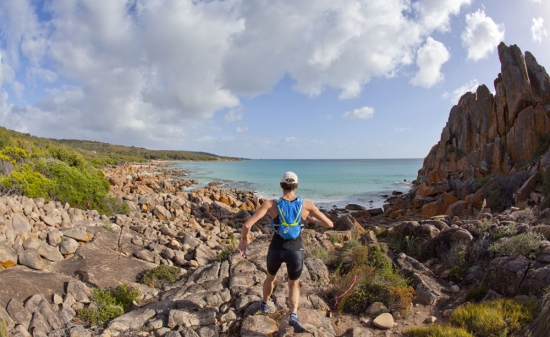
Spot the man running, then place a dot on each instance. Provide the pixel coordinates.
(286, 244)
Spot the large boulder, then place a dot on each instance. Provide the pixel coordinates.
(505, 274)
(433, 208)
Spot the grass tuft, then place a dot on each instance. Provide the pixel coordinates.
(437, 331)
(320, 253)
(497, 318)
(223, 255)
(161, 275)
(3, 329)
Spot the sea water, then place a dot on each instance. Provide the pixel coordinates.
(328, 183)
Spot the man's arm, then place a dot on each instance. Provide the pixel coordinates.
(315, 213)
(260, 213)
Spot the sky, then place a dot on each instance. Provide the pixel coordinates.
(260, 79)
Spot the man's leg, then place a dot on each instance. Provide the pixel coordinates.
(294, 295)
(268, 286)
(294, 299)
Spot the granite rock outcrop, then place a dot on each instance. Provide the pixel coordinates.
(491, 144)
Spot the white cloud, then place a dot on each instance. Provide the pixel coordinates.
(435, 14)
(337, 44)
(537, 30)
(481, 35)
(242, 129)
(159, 70)
(455, 95)
(400, 129)
(431, 56)
(7, 74)
(233, 116)
(290, 139)
(362, 113)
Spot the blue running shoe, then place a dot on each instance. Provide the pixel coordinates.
(294, 322)
(264, 308)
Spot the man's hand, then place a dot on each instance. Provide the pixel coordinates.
(311, 220)
(242, 248)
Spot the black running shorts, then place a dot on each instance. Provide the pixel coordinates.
(294, 260)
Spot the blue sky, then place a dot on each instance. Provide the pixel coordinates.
(255, 78)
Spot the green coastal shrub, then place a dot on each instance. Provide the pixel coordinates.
(525, 244)
(378, 258)
(27, 182)
(161, 275)
(437, 331)
(373, 285)
(353, 255)
(66, 155)
(16, 154)
(376, 279)
(526, 215)
(77, 186)
(108, 304)
(319, 252)
(498, 318)
(125, 296)
(5, 138)
(504, 231)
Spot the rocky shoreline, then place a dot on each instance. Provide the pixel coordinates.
(51, 255)
(474, 219)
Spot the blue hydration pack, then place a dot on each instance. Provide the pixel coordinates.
(290, 218)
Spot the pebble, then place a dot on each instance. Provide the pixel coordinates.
(383, 321)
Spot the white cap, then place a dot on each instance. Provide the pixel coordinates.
(289, 178)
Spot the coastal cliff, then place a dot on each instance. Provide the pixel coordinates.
(490, 135)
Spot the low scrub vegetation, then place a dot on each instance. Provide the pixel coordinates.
(108, 304)
(504, 231)
(69, 170)
(161, 275)
(320, 253)
(499, 318)
(525, 244)
(40, 168)
(369, 274)
(502, 317)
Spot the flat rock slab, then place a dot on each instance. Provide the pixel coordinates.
(21, 283)
(102, 268)
(258, 325)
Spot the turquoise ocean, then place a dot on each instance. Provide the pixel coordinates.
(328, 183)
